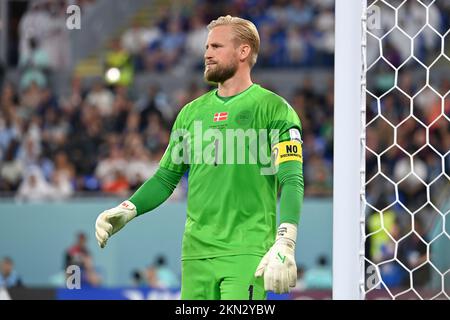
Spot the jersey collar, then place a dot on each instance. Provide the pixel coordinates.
(227, 100)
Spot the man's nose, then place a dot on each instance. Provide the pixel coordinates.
(207, 54)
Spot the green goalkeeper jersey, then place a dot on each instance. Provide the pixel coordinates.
(226, 144)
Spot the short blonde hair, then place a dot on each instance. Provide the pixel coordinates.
(244, 30)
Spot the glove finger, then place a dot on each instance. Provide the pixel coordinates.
(101, 236)
(259, 272)
(262, 266)
(97, 236)
(277, 282)
(292, 276)
(268, 279)
(107, 227)
(284, 282)
(99, 241)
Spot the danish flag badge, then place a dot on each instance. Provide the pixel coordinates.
(220, 116)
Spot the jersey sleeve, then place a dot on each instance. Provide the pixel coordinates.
(286, 142)
(177, 154)
(285, 133)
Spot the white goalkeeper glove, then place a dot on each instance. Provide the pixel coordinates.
(112, 220)
(278, 264)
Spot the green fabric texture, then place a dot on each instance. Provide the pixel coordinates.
(290, 176)
(222, 278)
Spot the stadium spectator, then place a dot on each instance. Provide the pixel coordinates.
(412, 252)
(137, 280)
(140, 166)
(11, 170)
(90, 276)
(380, 243)
(319, 276)
(35, 65)
(45, 21)
(153, 101)
(101, 99)
(151, 277)
(75, 254)
(62, 177)
(137, 37)
(195, 41)
(33, 24)
(34, 187)
(8, 275)
(159, 275)
(120, 60)
(392, 273)
(79, 255)
(117, 184)
(318, 176)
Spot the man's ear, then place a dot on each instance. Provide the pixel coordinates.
(244, 51)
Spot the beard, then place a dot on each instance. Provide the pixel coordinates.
(219, 74)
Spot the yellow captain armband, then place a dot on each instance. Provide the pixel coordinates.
(287, 151)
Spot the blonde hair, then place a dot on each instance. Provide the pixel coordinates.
(244, 31)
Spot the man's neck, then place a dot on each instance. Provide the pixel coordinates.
(235, 85)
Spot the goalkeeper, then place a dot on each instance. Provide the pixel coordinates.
(232, 248)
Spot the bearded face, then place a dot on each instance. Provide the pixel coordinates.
(219, 72)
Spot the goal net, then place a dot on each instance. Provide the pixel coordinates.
(406, 149)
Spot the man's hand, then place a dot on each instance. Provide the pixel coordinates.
(278, 265)
(112, 220)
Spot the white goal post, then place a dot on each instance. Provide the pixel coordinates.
(348, 259)
(391, 152)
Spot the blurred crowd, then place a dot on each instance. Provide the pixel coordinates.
(297, 33)
(398, 134)
(92, 140)
(293, 33)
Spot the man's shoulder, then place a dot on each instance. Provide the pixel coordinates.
(192, 106)
(199, 101)
(280, 113)
(270, 98)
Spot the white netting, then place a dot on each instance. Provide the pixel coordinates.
(407, 143)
